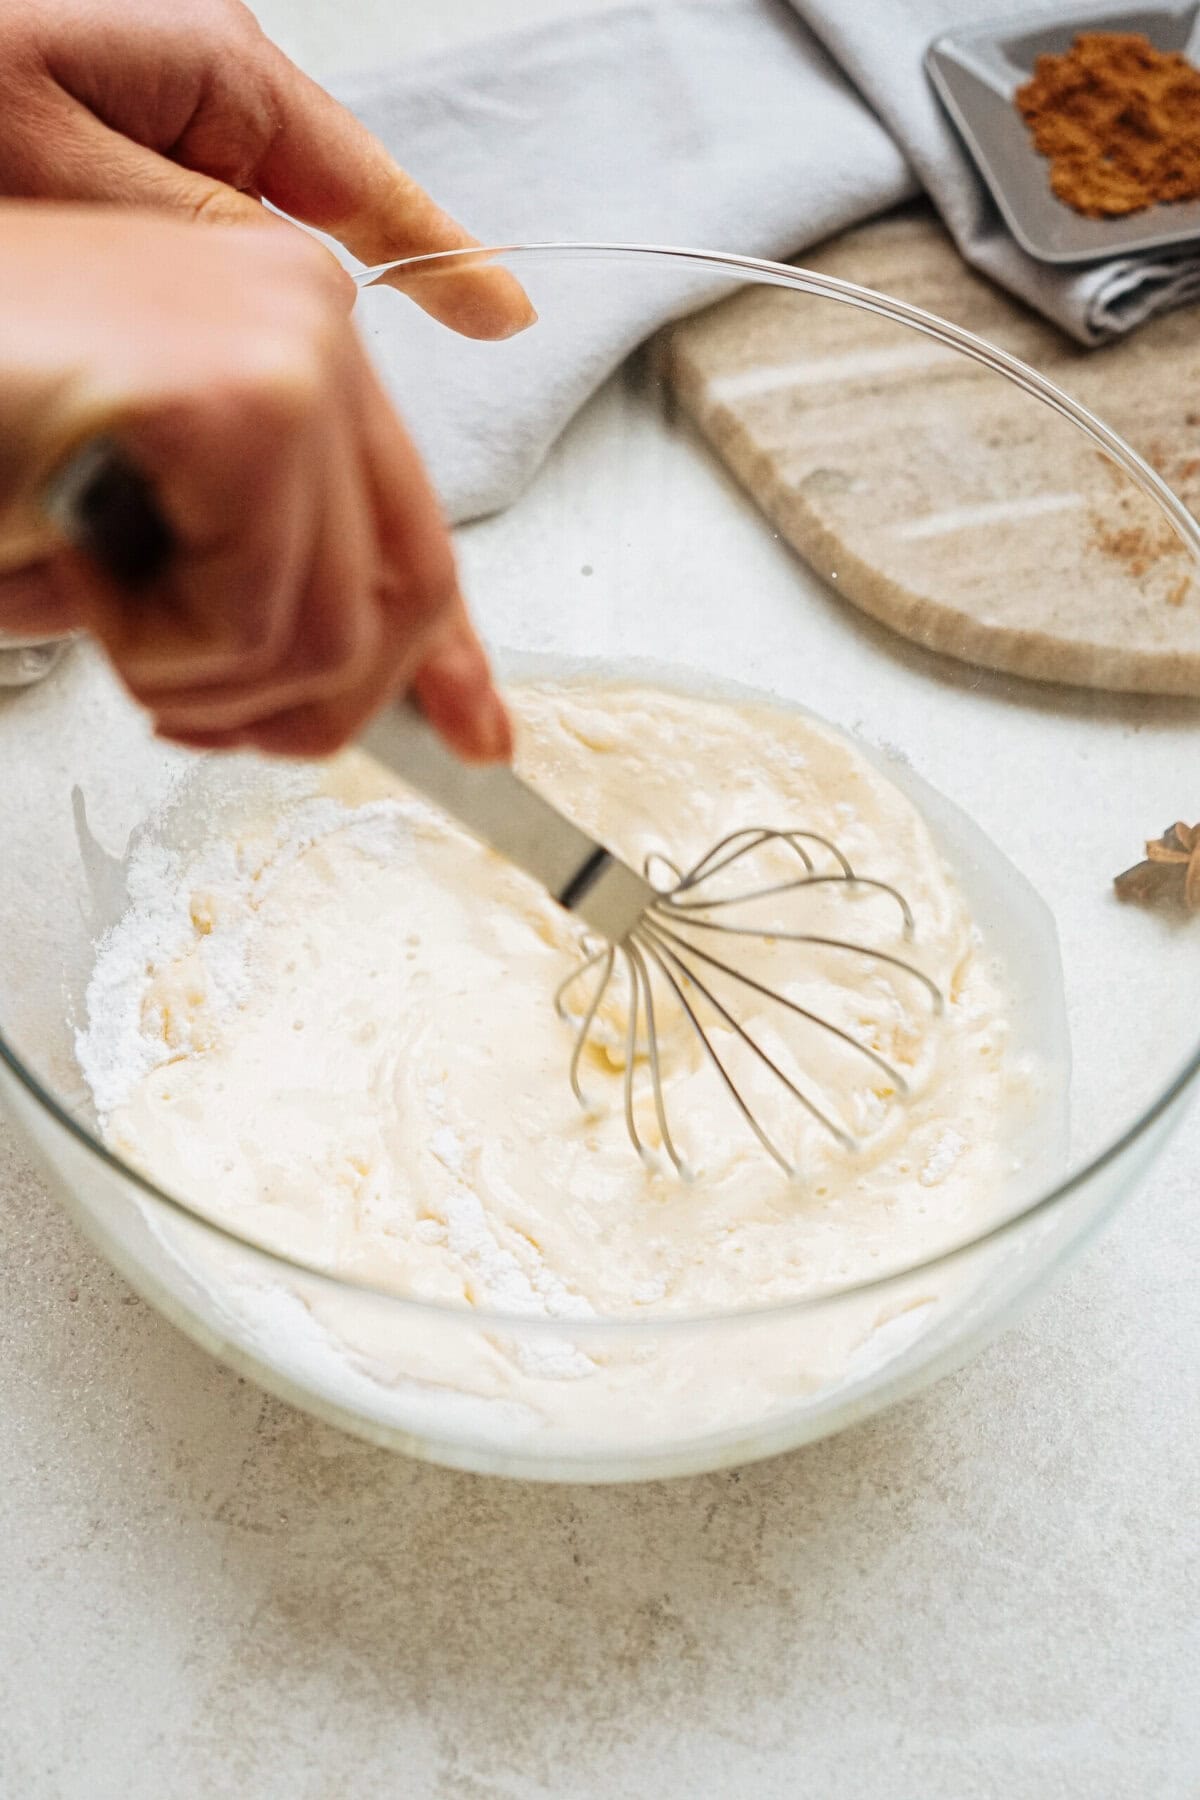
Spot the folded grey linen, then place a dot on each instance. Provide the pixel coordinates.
(881, 46)
(720, 124)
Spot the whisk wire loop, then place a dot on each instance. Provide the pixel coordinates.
(662, 941)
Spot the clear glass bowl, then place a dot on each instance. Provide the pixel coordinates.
(921, 462)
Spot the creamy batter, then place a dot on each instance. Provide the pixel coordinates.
(344, 1043)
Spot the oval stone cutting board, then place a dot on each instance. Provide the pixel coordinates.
(940, 498)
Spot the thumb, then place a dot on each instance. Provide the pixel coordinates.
(108, 167)
(323, 166)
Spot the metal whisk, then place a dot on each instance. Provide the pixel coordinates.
(641, 926)
(663, 938)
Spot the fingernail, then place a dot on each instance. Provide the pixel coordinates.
(491, 303)
(482, 316)
(519, 325)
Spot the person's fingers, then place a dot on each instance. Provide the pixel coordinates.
(371, 206)
(206, 118)
(463, 700)
(324, 167)
(419, 577)
(77, 157)
(422, 624)
(415, 588)
(312, 575)
(418, 574)
(39, 601)
(234, 472)
(319, 729)
(204, 740)
(455, 691)
(337, 631)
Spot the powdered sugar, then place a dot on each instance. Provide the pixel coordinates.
(174, 903)
(942, 1158)
(529, 1287)
(208, 907)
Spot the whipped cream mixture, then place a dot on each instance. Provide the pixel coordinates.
(335, 1034)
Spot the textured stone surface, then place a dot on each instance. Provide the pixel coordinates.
(939, 497)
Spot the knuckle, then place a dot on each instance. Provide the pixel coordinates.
(275, 383)
(222, 28)
(234, 17)
(247, 625)
(314, 258)
(309, 275)
(340, 664)
(219, 206)
(279, 367)
(428, 588)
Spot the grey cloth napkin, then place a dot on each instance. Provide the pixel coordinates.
(720, 124)
(723, 124)
(881, 46)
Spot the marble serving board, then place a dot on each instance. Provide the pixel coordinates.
(935, 494)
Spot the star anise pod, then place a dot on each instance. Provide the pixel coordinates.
(1171, 871)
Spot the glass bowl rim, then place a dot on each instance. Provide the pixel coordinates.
(751, 271)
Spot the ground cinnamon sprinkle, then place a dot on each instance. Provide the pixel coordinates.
(1131, 530)
(1119, 121)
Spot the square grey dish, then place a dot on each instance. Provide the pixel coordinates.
(976, 74)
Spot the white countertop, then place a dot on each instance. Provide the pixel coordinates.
(990, 1591)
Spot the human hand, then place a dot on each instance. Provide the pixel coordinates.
(312, 576)
(191, 109)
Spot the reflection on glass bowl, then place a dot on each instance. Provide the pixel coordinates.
(634, 549)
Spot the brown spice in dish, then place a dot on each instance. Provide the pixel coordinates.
(1171, 872)
(1119, 122)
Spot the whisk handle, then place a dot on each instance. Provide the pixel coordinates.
(106, 507)
(504, 812)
